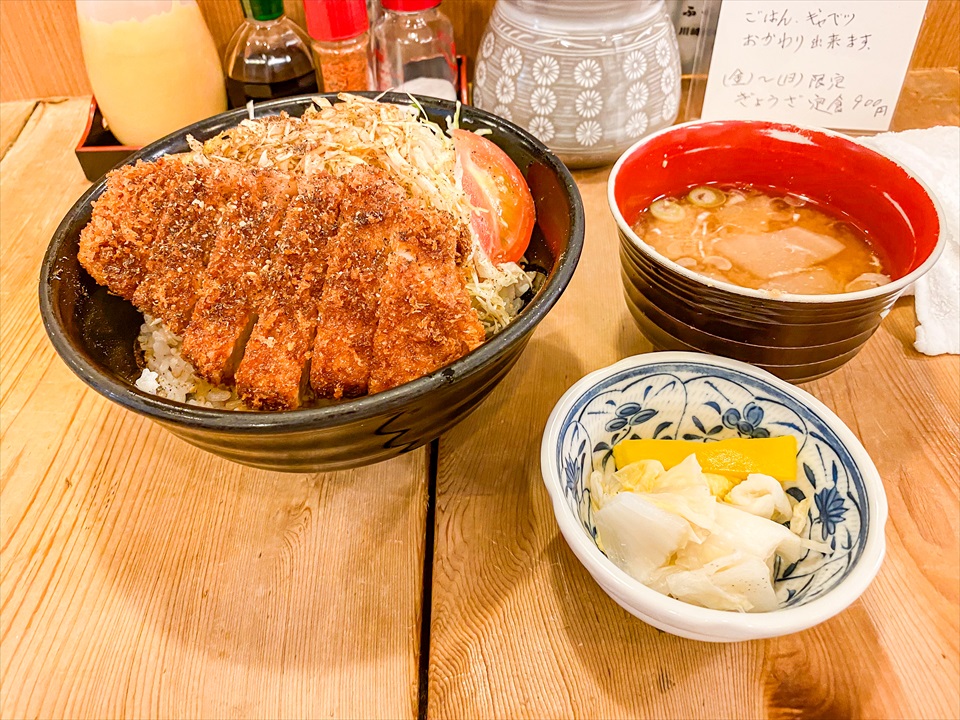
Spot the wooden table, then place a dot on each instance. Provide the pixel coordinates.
(140, 577)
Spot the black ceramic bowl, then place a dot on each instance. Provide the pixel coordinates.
(95, 332)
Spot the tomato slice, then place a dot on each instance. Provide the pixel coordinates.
(504, 215)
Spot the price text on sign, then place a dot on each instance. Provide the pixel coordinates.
(837, 64)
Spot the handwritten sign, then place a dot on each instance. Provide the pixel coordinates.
(833, 63)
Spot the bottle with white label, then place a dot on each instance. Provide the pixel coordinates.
(153, 65)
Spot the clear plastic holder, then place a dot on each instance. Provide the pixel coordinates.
(695, 81)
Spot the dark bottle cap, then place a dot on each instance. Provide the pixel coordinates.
(409, 5)
(329, 20)
(262, 10)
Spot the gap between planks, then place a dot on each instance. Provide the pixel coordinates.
(426, 603)
(15, 117)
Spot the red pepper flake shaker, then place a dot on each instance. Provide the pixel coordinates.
(341, 43)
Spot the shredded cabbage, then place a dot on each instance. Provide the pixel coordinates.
(414, 152)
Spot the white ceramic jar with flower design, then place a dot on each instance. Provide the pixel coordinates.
(588, 78)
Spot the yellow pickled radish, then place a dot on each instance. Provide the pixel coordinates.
(734, 457)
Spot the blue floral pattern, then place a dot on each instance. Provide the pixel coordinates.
(707, 403)
(749, 424)
(831, 508)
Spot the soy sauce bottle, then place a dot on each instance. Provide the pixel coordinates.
(268, 56)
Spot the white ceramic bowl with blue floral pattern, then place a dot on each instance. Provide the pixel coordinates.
(676, 395)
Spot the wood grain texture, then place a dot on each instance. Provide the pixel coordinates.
(13, 118)
(929, 98)
(40, 52)
(938, 44)
(469, 19)
(519, 628)
(142, 577)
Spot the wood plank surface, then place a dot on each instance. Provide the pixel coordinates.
(937, 44)
(40, 52)
(929, 98)
(519, 628)
(141, 577)
(13, 118)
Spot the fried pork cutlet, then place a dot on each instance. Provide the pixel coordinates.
(275, 365)
(370, 219)
(233, 288)
(115, 244)
(424, 320)
(198, 203)
(342, 282)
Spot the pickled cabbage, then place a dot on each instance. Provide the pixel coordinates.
(668, 529)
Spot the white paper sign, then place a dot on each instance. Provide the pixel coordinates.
(830, 63)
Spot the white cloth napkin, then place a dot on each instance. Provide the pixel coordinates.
(933, 155)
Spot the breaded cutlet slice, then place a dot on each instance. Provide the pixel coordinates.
(369, 219)
(233, 285)
(424, 320)
(176, 267)
(275, 365)
(115, 244)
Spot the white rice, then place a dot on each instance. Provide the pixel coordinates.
(168, 375)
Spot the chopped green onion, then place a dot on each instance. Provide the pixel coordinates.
(667, 209)
(706, 197)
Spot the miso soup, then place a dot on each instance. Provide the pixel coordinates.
(756, 239)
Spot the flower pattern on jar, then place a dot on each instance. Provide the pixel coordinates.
(589, 103)
(584, 102)
(663, 53)
(637, 124)
(670, 106)
(546, 70)
(543, 101)
(668, 80)
(506, 90)
(486, 48)
(480, 74)
(588, 132)
(511, 61)
(635, 65)
(587, 73)
(637, 96)
(542, 128)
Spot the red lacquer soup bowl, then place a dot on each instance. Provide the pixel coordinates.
(796, 337)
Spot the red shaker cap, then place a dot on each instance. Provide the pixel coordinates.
(409, 5)
(329, 20)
